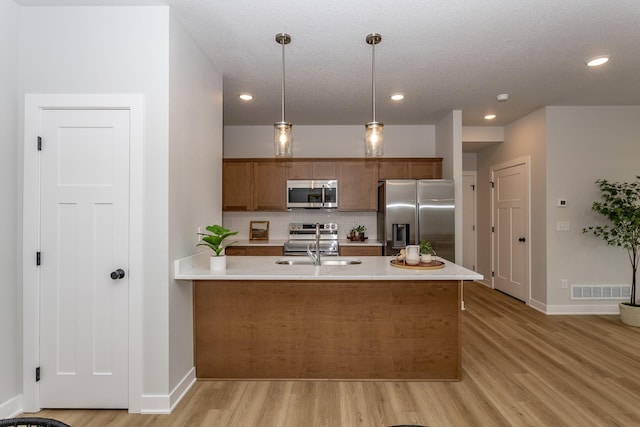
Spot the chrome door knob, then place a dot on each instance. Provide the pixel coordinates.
(118, 274)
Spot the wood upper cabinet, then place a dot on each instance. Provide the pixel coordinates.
(357, 185)
(392, 169)
(253, 185)
(325, 169)
(269, 186)
(237, 192)
(300, 169)
(312, 169)
(260, 184)
(426, 168)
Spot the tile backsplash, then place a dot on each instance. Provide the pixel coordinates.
(279, 221)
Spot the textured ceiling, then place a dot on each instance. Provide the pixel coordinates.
(443, 55)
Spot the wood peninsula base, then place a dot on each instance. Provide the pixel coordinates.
(317, 329)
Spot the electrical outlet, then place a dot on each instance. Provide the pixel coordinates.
(201, 229)
(565, 283)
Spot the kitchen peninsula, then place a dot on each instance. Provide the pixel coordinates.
(263, 320)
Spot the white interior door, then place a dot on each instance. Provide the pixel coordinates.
(469, 220)
(511, 225)
(84, 237)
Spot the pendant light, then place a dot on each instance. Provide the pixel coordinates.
(374, 130)
(282, 130)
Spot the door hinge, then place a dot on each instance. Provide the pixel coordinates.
(39, 143)
(493, 230)
(493, 273)
(473, 228)
(38, 374)
(38, 258)
(473, 187)
(492, 184)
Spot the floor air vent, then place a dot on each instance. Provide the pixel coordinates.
(600, 292)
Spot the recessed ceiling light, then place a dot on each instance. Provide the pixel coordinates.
(397, 97)
(598, 60)
(490, 117)
(246, 96)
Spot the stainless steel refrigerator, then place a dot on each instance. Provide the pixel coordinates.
(410, 211)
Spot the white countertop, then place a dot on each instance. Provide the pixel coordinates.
(196, 267)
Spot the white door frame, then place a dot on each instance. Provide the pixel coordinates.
(525, 160)
(34, 103)
(474, 175)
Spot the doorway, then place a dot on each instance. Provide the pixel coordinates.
(510, 225)
(82, 225)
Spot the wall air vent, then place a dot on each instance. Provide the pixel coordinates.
(600, 292)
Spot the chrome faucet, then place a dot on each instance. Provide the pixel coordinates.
(315, 257)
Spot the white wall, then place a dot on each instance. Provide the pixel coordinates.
(449, 147)
(116, 50)
(482, 134)
(195, 188)
(584, 144)
(10, 294)
(329, 141)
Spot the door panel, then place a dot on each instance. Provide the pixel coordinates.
(84, 237)
(510, 201)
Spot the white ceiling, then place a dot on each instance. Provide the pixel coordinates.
(443, 55)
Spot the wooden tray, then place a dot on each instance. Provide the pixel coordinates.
(433, 265)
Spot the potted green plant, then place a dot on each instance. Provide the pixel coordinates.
(214, 240)
(426, 251)
(620, 205)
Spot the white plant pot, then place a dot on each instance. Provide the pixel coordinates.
(218, 263)
(630, 315)
(426, 257)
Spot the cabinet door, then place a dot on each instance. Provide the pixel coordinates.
(236, 186)
(325, 170)
(425, 169)
(392, 169)
(360, 250)
(269, 182)
(265, 250)
(299, 170)
(357, 186)
(235, 251)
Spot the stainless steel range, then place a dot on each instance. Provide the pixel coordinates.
(301, 234)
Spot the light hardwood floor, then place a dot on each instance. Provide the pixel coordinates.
(520, 368)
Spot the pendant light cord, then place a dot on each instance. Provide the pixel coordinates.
(373, 81)
(283, 43)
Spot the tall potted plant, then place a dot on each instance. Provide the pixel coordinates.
(213, 239)
(620, 205)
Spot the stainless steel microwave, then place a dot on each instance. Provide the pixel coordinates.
(312, 194)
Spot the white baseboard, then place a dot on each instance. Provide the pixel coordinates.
(11, 407)
(575, 309)
(606, 309)
(537, 305)
(164, 404)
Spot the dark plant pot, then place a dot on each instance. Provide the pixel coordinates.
(362, 236)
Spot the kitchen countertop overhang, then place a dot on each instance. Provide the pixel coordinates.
(196, 267)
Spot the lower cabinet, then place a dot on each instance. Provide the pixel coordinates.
(255, 251)
(360, 250)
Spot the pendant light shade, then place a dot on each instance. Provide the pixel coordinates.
(374, 132)
(283, 137)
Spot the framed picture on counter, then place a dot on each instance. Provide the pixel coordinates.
(259, 230)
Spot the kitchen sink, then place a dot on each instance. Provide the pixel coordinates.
(324, 261)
